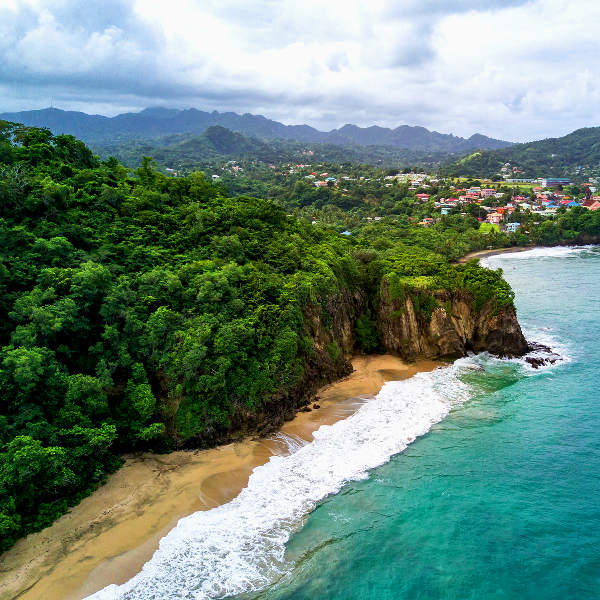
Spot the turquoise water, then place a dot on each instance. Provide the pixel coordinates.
(480, 480)
(501, 499)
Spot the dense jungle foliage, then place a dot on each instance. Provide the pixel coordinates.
(139, 311)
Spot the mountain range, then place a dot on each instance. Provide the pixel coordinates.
(217, 144)
(158, 121)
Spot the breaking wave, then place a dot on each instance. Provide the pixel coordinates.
(496, 260)
(240, 546)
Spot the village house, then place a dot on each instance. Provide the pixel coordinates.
(588, 202)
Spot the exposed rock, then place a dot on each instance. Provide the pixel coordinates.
(543, 355)
(536, 363)
(454, 329)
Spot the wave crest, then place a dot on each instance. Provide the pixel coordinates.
(240, 546)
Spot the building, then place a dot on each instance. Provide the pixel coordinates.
(552, 182)
(589, 201)
(512, 227)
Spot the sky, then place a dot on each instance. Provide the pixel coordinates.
(511, 69)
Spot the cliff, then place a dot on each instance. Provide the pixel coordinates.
(452, 329)
(330, 329)
(449, 327)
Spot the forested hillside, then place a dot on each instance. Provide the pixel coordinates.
(575, 154)
(218, 145)
(147, 312)
(153, 122)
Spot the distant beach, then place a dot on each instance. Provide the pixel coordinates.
(111, 534)
(492, 252)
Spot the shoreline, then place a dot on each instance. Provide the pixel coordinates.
(110, 535)
(492, 252)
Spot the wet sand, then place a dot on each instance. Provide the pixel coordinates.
(111, 534)
(482, 253)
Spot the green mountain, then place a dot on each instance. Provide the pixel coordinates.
(577, 153)
(218, 144)
(153, 122)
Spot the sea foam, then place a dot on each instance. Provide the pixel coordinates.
(496, 260)
(240, 546)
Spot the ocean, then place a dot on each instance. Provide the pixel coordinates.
(480, 480)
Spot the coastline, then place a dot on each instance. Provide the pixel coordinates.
(492, 252)
(112, 533)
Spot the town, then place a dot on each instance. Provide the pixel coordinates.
(345, 195)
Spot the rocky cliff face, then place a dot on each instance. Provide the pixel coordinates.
(453, 329)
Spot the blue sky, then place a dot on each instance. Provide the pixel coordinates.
(516, 69)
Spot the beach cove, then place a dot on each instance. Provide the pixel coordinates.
(108, 537)
(499, 499)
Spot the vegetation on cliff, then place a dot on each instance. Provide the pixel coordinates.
(146, 312)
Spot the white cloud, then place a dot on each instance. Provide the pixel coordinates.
(513, 69)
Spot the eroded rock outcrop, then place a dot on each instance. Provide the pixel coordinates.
(450, 329)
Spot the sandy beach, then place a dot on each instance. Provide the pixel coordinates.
(111, 534)
(491, 252)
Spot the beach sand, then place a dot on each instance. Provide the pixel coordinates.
(112, 533)
(491, 252)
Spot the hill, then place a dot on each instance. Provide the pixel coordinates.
(218, 144)
(575, 154)
(153, 122)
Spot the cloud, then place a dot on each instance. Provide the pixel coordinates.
(514, 69)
